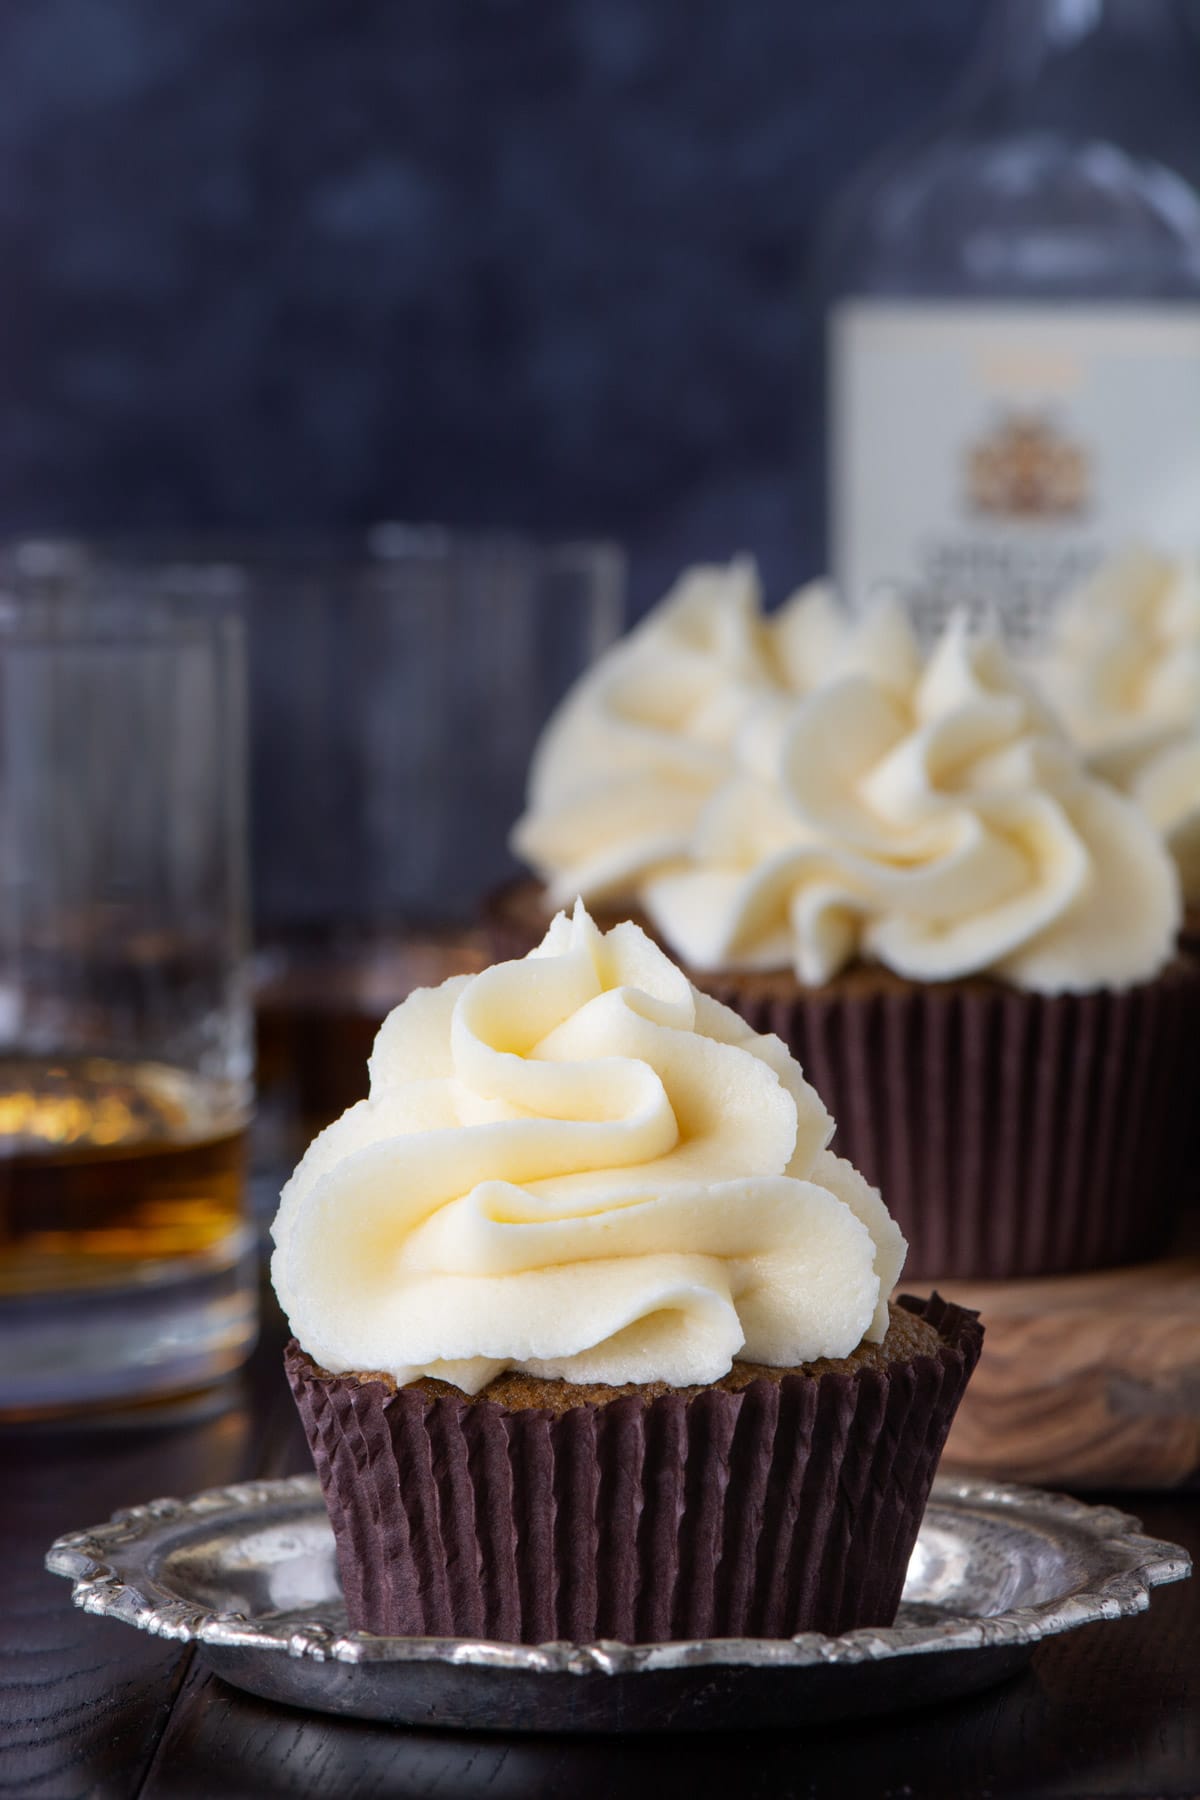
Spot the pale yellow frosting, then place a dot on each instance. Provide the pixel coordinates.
(577, 1166)
(937, 822)
(699, 689)
(1123, 669)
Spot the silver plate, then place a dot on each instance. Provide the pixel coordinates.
(248, 1574)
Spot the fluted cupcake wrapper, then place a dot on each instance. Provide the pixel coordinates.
(1011, 1133)
(787, 1506)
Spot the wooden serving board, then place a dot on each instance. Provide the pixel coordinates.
(1086, 1381)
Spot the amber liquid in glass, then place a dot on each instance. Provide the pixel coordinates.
(108, 1168)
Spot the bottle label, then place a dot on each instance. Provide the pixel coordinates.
(988, 455)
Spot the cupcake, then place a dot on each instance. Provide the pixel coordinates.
(965, 938)
(1123, 668)
(592, 1331)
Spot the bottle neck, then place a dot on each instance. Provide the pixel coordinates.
(1029, 47)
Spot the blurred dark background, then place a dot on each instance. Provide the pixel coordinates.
(535, 262)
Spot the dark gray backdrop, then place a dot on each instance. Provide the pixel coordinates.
(523, 261)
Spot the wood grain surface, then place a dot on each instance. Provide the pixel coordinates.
(1086, 1381)
(91, 1708)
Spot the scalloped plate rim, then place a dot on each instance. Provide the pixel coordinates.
(104, 1584)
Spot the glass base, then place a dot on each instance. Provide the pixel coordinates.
(172, 1327)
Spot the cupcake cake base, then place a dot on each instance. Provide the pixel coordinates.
(774, 1501)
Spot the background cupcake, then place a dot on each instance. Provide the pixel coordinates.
(965, 939)
(593, 1334)
(1123, 669)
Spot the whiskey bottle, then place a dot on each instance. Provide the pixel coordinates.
(1013, 326)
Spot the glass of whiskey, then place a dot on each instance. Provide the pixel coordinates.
(127, 1265)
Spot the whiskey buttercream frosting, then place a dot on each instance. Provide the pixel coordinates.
(935, 820)
(577, 1166)
(1123, 669)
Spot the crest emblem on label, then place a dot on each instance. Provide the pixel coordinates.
(1026, 469)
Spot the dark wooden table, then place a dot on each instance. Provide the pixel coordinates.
(89, 1707)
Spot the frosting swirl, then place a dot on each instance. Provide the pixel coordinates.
(1123, 669)
(633, 754)
(933, 819)
(577, 1166)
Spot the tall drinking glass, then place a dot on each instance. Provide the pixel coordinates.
(127, 1267)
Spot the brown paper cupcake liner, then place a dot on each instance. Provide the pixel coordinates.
(1011, 1133)
(785, 1506)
